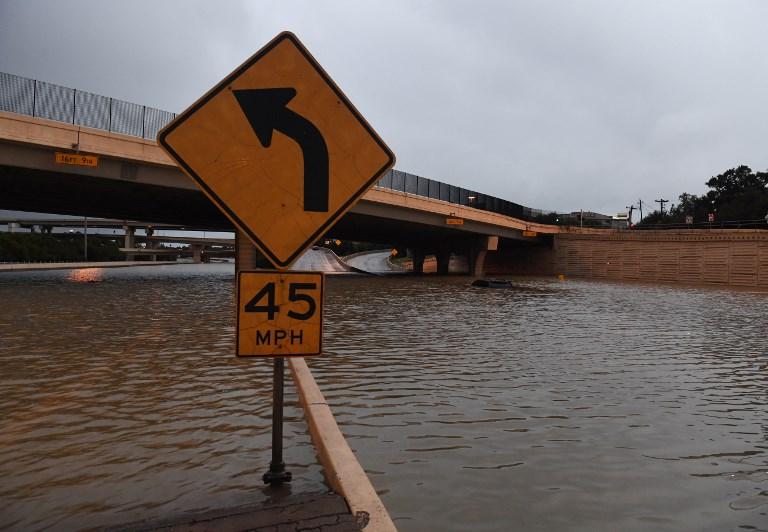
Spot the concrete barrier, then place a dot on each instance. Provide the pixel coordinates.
(30, 266)
(343, 472)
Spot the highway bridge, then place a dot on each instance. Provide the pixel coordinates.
(134, 179)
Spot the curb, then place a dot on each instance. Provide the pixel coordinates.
(37, 266)
(342, 470)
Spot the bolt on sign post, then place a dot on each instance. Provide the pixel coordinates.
(284, 154)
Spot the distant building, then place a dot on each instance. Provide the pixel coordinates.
(621, 221)
(594, 219)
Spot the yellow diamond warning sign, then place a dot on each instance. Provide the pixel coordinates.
(279, 313)
(279, 149)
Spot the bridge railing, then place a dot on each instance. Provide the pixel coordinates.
(422, 186)
(55, 102)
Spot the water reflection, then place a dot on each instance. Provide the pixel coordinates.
(86, 275)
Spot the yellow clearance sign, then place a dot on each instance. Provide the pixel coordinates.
(279, 149)
(76, 159)
(279, 313)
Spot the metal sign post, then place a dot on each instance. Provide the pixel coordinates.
(277, 474)
(279, 315)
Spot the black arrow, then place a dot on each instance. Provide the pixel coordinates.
(266, 111)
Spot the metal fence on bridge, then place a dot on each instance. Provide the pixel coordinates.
(422, 186)
(81, 108)
(55, 102)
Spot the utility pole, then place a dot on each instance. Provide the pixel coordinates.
(640, 203)
(631, 208)
(661, 202)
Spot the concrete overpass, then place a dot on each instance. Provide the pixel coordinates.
(197, 246)
(101, 223)
(134, 179)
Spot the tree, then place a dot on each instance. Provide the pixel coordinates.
(737, 194)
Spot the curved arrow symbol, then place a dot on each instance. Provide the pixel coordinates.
(266, 111)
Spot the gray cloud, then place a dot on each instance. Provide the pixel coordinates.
(558, 104)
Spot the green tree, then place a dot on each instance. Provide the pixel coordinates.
(738, 194)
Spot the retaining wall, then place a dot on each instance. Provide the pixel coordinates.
(718, 257)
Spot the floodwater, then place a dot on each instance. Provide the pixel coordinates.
(121, 400)
(552, 406)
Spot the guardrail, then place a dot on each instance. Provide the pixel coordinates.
(422, 186)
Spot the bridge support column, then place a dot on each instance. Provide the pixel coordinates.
(150, 244)
(197, 253)
(443, 262)
(417, 257)
(130, 241)
(246, 254)
(477, 258)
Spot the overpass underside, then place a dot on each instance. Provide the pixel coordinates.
(49, 191)
(135, 180)
(32, 190)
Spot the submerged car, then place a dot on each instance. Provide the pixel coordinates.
(492, 283)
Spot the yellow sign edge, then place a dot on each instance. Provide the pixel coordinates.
(280, 272)
(182, 117)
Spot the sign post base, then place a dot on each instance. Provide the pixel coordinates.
(277, 474)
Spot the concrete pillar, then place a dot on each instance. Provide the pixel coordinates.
(477, 264)
(130, 241)
(483, 245)
(246, 254)
(443, 262)
(417, 257)
(197, 253)
(130, 236)
(149, 231)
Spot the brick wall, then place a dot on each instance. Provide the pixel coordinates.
(718, 257)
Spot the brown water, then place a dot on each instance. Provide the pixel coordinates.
(120, 399)
(554, 406)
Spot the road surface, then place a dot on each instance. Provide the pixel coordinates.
(318, 259)
(373, 262)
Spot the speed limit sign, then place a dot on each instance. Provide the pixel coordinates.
(279, 313)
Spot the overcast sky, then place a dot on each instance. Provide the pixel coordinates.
(561, 105)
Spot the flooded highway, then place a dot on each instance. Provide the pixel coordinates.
(550, 406)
